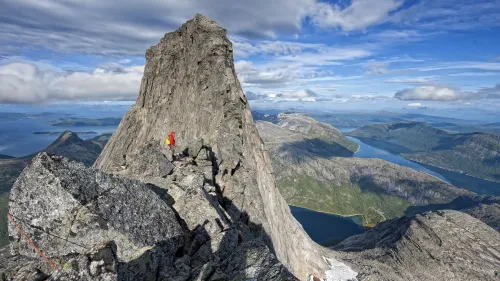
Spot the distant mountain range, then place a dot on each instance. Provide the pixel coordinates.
(464, 154)
(314, 169)
(68, 145)
(355, 120)
(84, 122)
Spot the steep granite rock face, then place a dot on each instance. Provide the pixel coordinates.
(190, 87)
(442, 245)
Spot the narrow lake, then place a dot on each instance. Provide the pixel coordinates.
(368, 151)
(327, 229)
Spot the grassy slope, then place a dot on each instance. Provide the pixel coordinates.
(345, 200)
(412, 135)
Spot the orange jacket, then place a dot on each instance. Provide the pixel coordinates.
(171, 138)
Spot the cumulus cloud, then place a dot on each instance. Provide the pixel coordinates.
(416, 104)
(268, 77)
(434, 93)
(375, 68)
(26, 83)
(253, 96)
(104, 28)
(357, 16)
(305, 95)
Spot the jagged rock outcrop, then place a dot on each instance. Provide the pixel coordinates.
(442, 245)
(97, 226)
(484, 208)
(190, 87)
(72, 210)
(68, 144)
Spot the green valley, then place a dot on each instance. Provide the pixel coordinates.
(312, 171)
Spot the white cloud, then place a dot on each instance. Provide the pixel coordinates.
(253, 96)
(264, 76)
(416, 104)
(435, 93)
(304, 95)
(490, 93)
(28, 84)
(491, 66)
(432, 93)
(357, 16)
(104, 28)
(305, 53)
(375, 68)
(411, 80)
(449, 15)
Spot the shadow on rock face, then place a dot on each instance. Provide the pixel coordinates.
(317, 148)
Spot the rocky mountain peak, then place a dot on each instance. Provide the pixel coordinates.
(190, 87)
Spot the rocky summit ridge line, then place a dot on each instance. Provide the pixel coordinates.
(213, 213)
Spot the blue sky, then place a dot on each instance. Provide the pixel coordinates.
(358, 54)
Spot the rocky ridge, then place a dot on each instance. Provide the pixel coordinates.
(442, 245)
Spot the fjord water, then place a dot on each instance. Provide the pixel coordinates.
(327, 229)
(368, 151)
(18, 123)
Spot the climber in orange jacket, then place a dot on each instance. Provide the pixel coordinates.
(171, 140)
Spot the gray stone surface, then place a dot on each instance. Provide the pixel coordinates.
(98, 226)
(483, 207)
(442, 245)
(55, 197)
